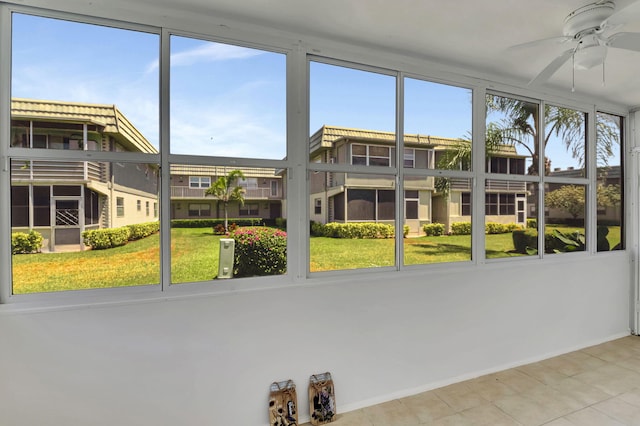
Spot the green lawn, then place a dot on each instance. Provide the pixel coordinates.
(194, 257)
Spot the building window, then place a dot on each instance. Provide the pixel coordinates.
(465, 205)
(274, 188)
(119, 206)
(139, 205)
(411, 203)
(249, 209)
(147, 208)
(370, 155)
(199, 181)
(409, 158)
(155, 209)
(317, 206)
(199, 210)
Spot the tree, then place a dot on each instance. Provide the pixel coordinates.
(519, 126)
(225, 189)
(569, 198)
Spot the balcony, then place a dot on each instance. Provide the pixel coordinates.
(184, 192)
(72, 171)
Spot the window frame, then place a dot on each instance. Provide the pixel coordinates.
(298, 205)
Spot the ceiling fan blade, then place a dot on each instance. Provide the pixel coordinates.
(628, 41)
(622, 16)
(546, 73)
(557, 40)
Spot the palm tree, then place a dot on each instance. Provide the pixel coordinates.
(225, 189)
(519, 128)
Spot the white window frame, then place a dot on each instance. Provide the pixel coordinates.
(199, 182)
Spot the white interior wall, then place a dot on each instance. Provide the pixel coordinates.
(210, 359)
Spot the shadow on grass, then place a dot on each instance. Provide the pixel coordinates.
(432, 249)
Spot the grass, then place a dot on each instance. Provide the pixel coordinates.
(194, 257)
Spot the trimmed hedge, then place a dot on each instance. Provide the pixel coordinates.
(433, 229)
(259, 251)
(359, 230)
(142, 230)
(25, 243)
(461, 228)
(100, 239)
(212, 223)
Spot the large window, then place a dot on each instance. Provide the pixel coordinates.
(350, 108)
(227, 101)
(609, 182)
(437, 136)
(86, 151)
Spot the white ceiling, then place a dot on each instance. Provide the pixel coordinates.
(471, 34)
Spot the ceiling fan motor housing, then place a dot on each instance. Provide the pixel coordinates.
(587, 19)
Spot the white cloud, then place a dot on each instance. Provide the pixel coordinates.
(208, 52)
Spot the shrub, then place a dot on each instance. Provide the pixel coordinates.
(433, 229)
(24, 243)
(513, 227)
(494, 228)
(525, 239)
(405, 231)
(316, 229)
(359, 230)
(532, 223)
(219, 229)
(141, 230)
(259, 251)
(100, 239)
(461, 228)
(212, 223)
(281, 223)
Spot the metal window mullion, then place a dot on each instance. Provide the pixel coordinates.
(165, 166)
(591, 208)
(400, 203)
(478, 162)
(541, 177)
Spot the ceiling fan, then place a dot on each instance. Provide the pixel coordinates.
(586, 29)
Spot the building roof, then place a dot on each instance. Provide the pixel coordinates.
(327, 136)
(106, 116)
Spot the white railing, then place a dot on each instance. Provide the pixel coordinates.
(250, 193)
(56, 170)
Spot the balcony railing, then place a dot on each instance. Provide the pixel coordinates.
(56, 170)
(250, 193)
(505, 185)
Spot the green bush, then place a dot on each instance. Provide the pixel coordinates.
(524, 239)
(281, 223)
(433, 229)
(532, 223)
(461, 228)
(359, 230)
(24, 243)
(141, 230)
(212, 223)
(513, 227)
(405, 230)
(495, 228)
(100, 239)
(316, 229)
(259, 251)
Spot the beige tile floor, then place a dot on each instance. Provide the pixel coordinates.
(599, 386)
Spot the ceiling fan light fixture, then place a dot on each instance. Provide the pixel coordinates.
(588, 57)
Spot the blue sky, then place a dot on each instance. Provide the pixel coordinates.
(225, 100)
